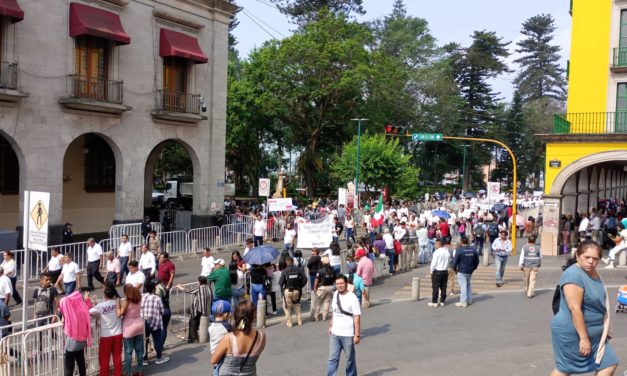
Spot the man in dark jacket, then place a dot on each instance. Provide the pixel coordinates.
(464, 264)
(292, 281)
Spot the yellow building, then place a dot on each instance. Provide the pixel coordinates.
(586, 155)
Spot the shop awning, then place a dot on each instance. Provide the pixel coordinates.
(86, 20)
(172, 43)
(11, 9)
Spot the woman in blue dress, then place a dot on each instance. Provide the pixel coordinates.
(577, 329)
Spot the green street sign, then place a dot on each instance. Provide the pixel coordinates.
(427, 136)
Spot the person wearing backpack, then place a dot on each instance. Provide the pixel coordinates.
(292, 281)
(323, 288)
(478, 232)
(45, 299)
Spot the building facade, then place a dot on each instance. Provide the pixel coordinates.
(90, 93)
(586, 154)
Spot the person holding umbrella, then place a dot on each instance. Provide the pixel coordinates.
(257, 257)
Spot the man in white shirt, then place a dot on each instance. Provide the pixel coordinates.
(501, 247)
(70, 275)
(147, 262)
(259, 229)
(439, 274)
(55, 264)
(584, 224)
(94, 263)
(389, 248)
(344, 328)
(135, 277)
(207, 263)
(5, 287)
(10, 270)
(124, 251)
(595, 226)
(288, 239)
(621, 244)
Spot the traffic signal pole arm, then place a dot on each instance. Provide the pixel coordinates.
(515, 178)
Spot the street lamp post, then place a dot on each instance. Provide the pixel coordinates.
(358, 155)
(464, 168)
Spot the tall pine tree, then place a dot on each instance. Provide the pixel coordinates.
(304, 11)
(540, 75)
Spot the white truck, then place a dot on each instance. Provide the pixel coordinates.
(178, 194)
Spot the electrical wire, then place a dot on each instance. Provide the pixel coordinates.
(257, 23)
(265, 23)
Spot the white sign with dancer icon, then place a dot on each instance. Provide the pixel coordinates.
(36, 213)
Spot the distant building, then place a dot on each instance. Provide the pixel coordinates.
(586, 154)
(90, 93)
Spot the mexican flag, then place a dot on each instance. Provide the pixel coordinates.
(377, 217)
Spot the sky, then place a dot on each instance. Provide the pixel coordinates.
(449, 21)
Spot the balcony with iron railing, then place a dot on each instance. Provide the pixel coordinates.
(94, 94)
(619, 60)
(590, 123)
(178, 106)
(9, 91)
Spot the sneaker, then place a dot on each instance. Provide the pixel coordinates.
(145, 362)
(441, 304)
(610, 266)
(432, 305)
(469, 302)
(461, 304)
(163, 359)
(606, 260)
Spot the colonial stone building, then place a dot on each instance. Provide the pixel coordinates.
(91, 91)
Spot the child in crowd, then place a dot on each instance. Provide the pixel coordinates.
(221, 310)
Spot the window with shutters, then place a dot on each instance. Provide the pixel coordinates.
(91, 67)
(175, 74)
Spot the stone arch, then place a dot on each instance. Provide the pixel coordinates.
(594, 186)
(92, 167)
(12, 170)
(581, 163)
(152, 159)
(583, 186)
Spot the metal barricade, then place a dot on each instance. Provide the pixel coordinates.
(275, 229)
(180, 302)
(17, 326)
(174, 242)
(113, 244)
(77, 250)
(131, 229)
(34, 266)
(200, 238)
(179, 219)
(12, 355)
(233, 235)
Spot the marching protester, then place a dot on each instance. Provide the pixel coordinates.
(10, 270)
(465, 262)
(323, 287)
(114, 270)
(344, 328)
(70, 275)
(365, 270)
(124, 252)
(147, 262)
(94, 263)
(54, 266)
(135, 278)
(501, 247)
(313, 265)
(292, 281)
(439, 274)
(529, 262)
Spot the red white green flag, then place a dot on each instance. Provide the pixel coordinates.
(377, 217)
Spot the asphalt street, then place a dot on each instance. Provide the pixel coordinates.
(500, 334)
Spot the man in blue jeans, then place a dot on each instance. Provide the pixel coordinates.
(344, 328)
(464, 264)
(501, 247)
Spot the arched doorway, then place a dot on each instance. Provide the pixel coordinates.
(89, 183)
(10, 164)
(169, 184)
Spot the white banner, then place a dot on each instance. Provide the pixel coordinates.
(494, 191)
(264, 187)
(342, 197)
(317, 235)
(280, 204)
(36, 213)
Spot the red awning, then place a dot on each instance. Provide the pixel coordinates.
(86, 20)
(173, 43)
(10, 8)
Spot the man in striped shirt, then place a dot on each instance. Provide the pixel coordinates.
(200, 303)
(152, 312)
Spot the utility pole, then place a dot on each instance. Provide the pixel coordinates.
(358, 155)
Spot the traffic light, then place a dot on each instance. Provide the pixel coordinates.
(391, 130)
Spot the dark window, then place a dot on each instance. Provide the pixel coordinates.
(9, 169)
(99, 165)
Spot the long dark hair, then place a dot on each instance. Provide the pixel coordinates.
(243, 317)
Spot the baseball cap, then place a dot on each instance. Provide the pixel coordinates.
(360, 253)
(219, 261)
(220, 306)
(68, 224)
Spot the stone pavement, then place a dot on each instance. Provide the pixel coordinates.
(500, 334)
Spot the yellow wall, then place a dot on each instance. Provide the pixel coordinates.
(568, 153)
(589, 56)
(89, 212)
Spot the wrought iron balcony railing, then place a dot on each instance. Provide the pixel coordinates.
(619, 58)
(96, 89)
(175, 101)
(590, 123)
(8, 75)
